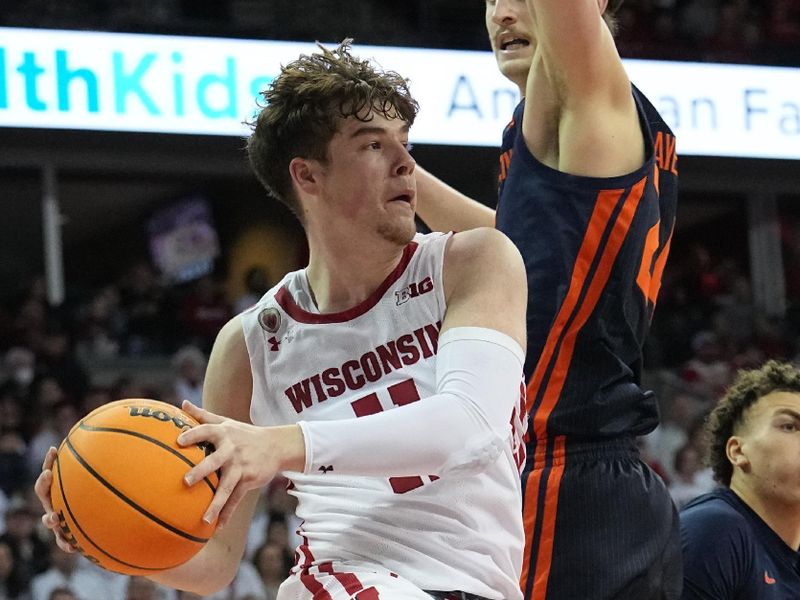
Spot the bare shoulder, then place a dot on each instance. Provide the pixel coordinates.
(482, 249)
(485, 283)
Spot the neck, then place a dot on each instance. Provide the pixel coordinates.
(342, 275)
(782, 518)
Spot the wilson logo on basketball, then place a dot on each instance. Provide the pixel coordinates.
(141, 411)
(62, 523)
(414, 290)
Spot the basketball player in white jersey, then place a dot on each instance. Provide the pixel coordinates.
(384, 379)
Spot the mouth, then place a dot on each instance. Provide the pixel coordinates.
(407, 198)
(510, 41)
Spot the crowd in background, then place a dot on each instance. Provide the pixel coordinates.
(744, 31)
(57, 364)
(706, 327)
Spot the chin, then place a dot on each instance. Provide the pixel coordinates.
(398, 233)
(515, 69)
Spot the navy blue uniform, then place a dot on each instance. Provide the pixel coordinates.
(731, 554)
(599, 523)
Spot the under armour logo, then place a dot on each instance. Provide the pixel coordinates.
(273, 344)
(324, 469)
(767, 579)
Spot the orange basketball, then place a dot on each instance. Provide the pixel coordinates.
(119, 492)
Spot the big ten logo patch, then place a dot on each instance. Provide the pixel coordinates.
(414, 290)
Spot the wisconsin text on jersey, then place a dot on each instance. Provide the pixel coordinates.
(371, 366)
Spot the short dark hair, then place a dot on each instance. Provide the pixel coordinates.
(304, 105)
(610, 14)
(728, 415)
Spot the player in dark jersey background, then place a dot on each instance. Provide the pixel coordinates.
(587, 191)
(742, 540)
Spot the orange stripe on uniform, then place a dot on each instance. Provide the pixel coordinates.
(544, 560)
(529, 510)
(658, 269)
(603, 208)
(615, 240)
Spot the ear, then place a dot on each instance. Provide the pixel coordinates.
(736, 453)
(602, 5)
(305, 175)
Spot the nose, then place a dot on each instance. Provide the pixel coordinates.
(503, 12)
(406, 163)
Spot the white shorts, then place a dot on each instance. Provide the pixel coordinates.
(348, 582)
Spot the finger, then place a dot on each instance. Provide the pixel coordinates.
(50, 458)
(211, 463)
(62, 543)
(42, 488)
(200, 414)
(226, 487)
(198, 434)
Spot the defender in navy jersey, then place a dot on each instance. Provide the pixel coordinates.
(587, 192)
(741, 541)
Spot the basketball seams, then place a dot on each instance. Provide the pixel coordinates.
(128, 501)
(83, 532)
(150, 439)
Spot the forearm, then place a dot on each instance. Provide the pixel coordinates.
(215, 566)
(444, 208)
(464, 426)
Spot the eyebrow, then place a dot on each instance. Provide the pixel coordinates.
(373, 130)
(787, 411)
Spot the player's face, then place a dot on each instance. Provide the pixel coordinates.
(369, 180)
(510, 28)
(771, 447)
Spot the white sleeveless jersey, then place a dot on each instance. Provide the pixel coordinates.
(460, 532)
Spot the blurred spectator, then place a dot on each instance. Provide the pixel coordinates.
(128, 386)
(31, 554)
(14, 473)
(95, 397)
(246, 585)
(57, 360)
(672, 433)
(140, 588)
(706, 372)
(203, 312)
(55, 428)
(143, 301)
(784, 21)
(11, 587)
(273, 567)
(100, 327)
(62, 593)
(687, 483)
(256, 284)
(19, 365)
(64, 572)
(189, 364)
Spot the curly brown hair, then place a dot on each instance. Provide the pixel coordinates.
(303, 108)
(748, 387)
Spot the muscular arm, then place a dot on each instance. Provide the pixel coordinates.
(443, 208)
(226, 391)
(580, 116)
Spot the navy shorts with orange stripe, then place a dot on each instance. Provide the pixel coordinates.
(594, 250)
(601, 526)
